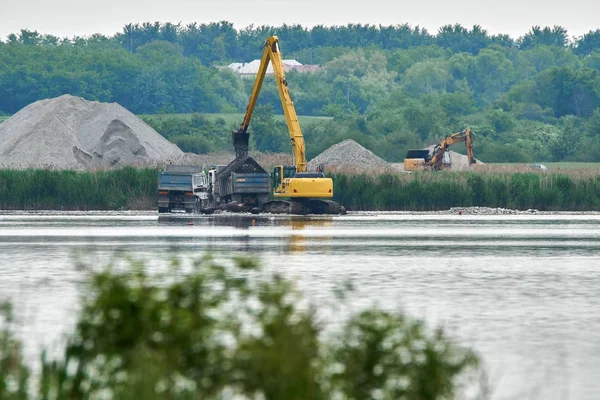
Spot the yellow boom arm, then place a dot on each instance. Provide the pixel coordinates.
(240, 137)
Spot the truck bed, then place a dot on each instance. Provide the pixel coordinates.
(247, 183)
(175, 181)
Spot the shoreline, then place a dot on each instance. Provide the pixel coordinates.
(466, 211)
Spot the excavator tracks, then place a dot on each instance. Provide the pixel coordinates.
(312, 206)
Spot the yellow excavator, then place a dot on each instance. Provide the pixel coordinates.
(418, 160)
(295, 190)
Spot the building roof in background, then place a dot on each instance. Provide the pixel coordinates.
(252, 67)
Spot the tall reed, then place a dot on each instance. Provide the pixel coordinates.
(40, 189)
(426, 191)
(135, 189)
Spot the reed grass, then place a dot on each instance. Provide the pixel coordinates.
(41, 189)
(135, 189)
(426, 191)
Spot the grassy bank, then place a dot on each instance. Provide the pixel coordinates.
(135, 189)
(577, 191)
(126, 188)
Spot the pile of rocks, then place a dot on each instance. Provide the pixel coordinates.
(69, 132)
(347, 155)
(487, 211)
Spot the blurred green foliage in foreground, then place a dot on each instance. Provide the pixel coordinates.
(208, 331)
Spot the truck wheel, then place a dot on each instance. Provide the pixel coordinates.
(162, 210)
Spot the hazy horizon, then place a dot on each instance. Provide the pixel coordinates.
(69, 18)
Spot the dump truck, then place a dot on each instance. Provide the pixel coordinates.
(182, 188)
(243, 182)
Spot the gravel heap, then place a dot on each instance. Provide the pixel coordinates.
(347, 155)
(71, 132)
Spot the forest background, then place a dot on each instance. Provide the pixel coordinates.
(391, 88)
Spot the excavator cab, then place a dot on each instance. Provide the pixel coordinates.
(301, 193)
(280, 173)
(286, 182)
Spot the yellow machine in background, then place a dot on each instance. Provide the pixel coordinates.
(418, 160)
(295, 190)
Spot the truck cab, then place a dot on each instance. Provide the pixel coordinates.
(200, 189)
(213, 184)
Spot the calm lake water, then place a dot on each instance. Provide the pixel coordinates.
(523, 290)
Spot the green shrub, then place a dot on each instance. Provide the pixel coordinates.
(210, 332)
(193, 143)
(14, 375)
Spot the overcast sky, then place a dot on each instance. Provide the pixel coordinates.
(68, 18)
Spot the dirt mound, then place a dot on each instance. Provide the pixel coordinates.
(71, 132)
(347, 155)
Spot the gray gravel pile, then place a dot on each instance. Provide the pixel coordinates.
(487, 211)
(347, 155)
(71, 132)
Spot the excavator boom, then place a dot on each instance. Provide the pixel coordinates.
(240, 137)
(294, 189)
(463, 136)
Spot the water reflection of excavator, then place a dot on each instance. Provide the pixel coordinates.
(423, 159)
(295, 190)
(298, 241)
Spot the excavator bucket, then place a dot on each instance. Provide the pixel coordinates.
(240, 143)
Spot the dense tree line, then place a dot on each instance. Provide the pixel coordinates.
(536, 97)
(220, 41)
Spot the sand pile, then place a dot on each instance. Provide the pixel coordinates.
(70, 132)
(347, 155)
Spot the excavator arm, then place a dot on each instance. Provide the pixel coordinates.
(438, 153)
(240, 137)
(295, 190)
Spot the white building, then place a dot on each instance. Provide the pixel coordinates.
(251, 68)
